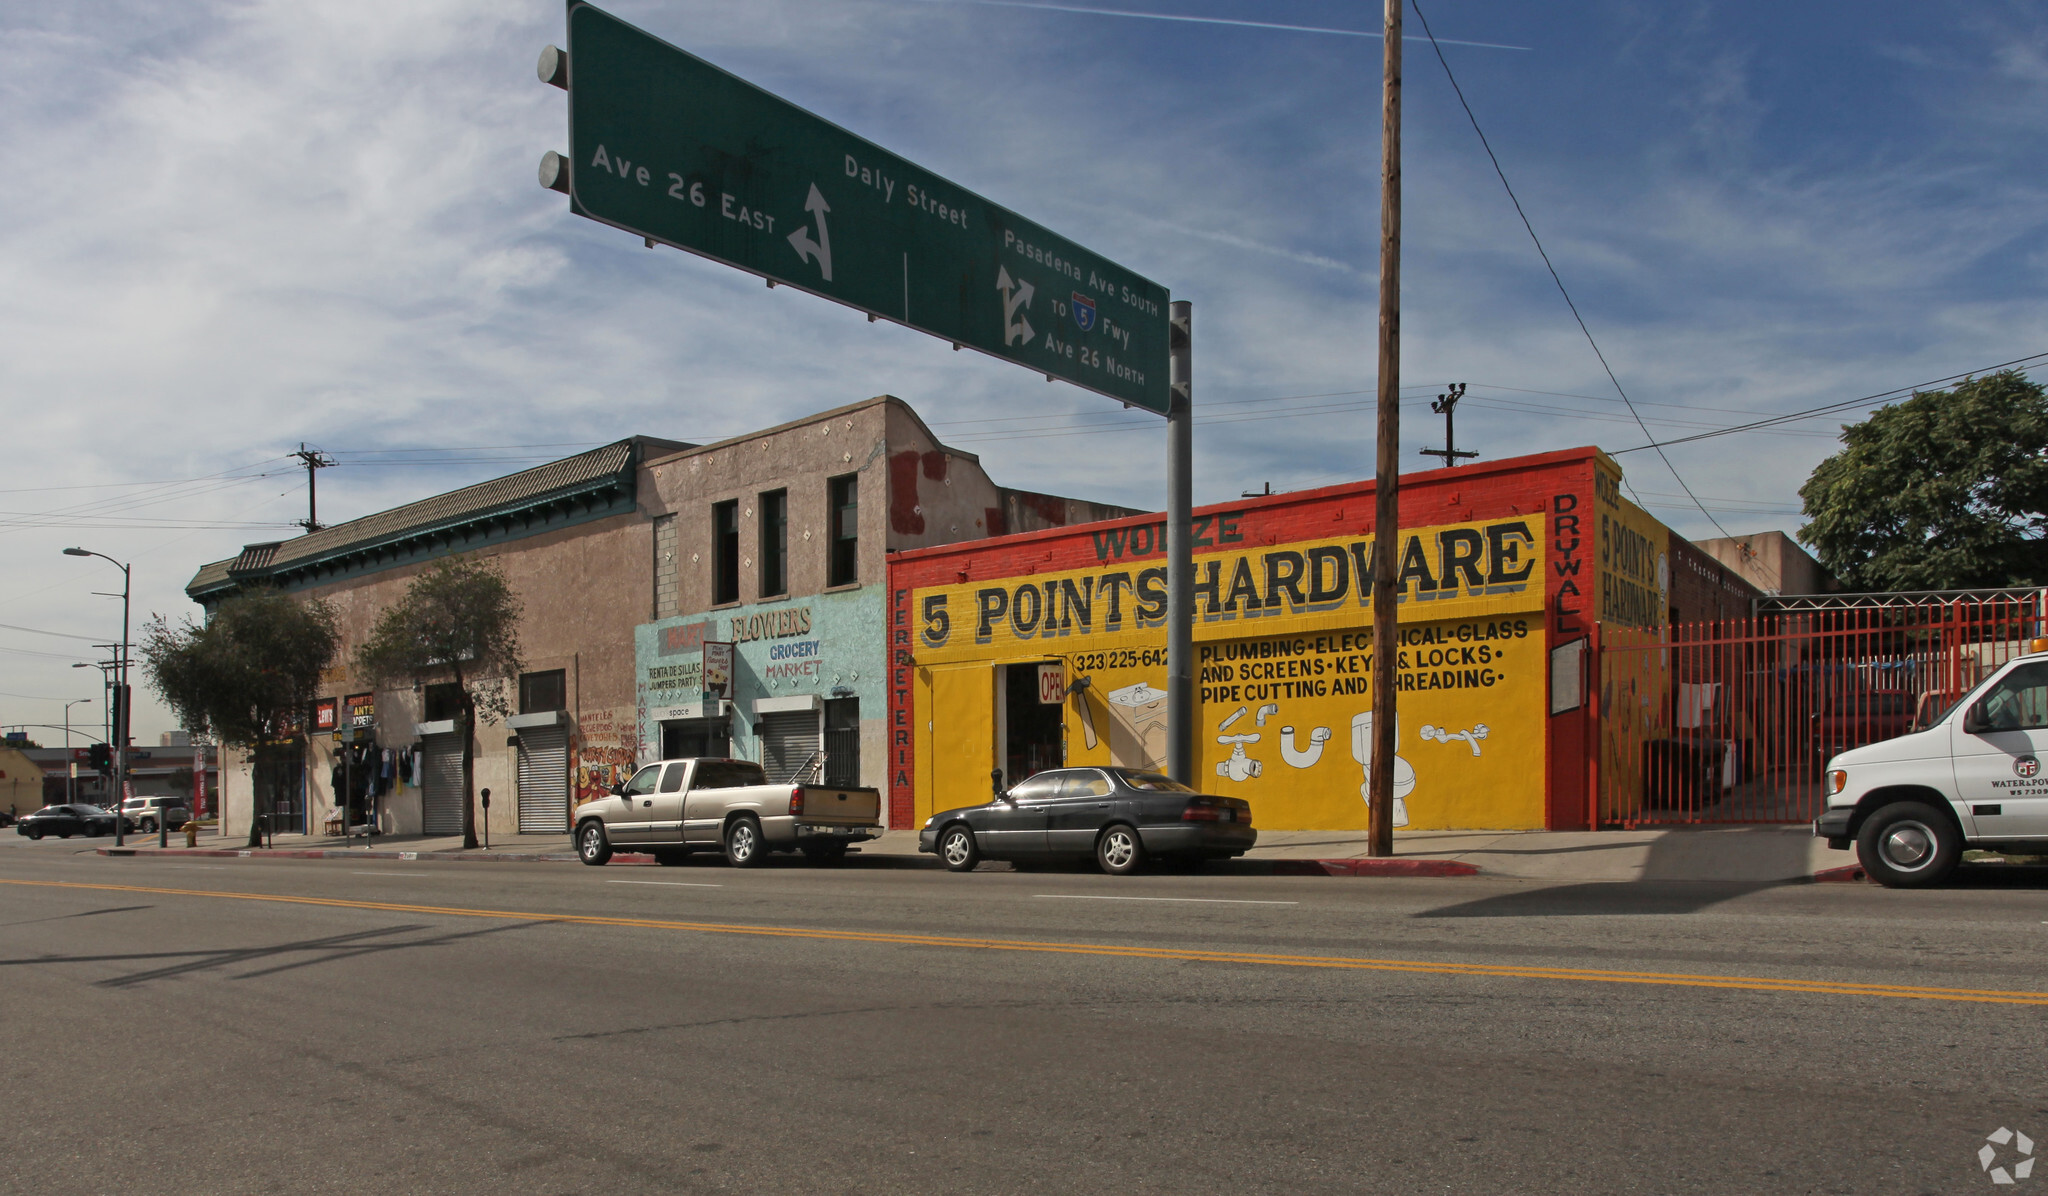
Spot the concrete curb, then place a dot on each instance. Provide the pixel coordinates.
(1369, 867)
(1847, 874)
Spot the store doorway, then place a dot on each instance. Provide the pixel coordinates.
(1033, 732)
(685, 737)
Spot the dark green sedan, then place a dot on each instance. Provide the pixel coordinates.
(65, 821)
(1119, 817)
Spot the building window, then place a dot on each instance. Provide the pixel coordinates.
(443, 702)
(541, 693)
(775, 543)
(725, 552)
(844, 567)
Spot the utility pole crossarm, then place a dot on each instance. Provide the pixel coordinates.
(315, 461)
(1446, 405)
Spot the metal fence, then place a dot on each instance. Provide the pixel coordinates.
(1733, 721)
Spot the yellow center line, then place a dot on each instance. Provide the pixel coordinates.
(1174, 954)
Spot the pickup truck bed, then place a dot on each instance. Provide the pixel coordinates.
(674, 807)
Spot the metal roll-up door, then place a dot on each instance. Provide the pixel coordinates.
(544, 781)
(441, 785)
(790, 745)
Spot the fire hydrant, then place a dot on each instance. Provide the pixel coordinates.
(191, 830)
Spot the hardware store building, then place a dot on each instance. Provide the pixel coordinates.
(1028, 651)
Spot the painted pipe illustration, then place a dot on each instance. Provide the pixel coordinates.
(1076, 691)
(1303, 757)
(1446, 736)
(1240, 766)
(1235, 715)
(1268, 709)
(1404, 772)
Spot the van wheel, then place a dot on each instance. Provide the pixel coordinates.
(743, 846)
(591, 845)
(1908, 845)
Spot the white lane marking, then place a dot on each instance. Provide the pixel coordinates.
(1199, 900)
(674, 884)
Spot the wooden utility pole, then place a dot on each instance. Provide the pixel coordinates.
(1386, 557)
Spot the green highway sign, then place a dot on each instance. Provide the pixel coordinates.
(667, 146)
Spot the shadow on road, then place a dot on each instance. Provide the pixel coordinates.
(331, 949)
(1603, 899)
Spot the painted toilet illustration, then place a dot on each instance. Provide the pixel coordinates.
(1404, 772)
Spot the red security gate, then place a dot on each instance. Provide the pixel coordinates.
(1733, 721)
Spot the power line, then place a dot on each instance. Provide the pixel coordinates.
(1491, 157)
(1831, 408)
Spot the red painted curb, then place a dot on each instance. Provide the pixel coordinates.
(1373, 868)
(1847, 874)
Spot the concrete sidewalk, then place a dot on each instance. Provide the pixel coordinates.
(1745, 854)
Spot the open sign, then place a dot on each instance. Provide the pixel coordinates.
(1052, 684)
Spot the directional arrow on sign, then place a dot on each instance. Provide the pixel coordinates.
(1015, 295)
(821, 249)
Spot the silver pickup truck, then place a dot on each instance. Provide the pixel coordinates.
(673, 807)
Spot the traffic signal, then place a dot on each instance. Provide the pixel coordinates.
(101, 757)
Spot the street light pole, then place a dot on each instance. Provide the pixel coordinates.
(70, 765)
(124, 698)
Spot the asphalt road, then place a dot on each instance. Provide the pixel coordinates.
(296, 1026)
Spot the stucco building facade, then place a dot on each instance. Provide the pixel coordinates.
(627, 560)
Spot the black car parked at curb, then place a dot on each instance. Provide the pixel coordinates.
(1120, 817)
(66, 821)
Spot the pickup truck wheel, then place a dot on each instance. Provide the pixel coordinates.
(1908, 845)
(591, 845)
(957, 849)
(743, 846)
(1118, 851)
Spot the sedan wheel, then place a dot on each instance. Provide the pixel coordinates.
(743, 847)
(591, 845)
(35, 832)
(957, 849)
(1118, 852)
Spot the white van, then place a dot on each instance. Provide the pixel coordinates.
(1971, 779)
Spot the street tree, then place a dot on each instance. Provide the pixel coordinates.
(246, 677)
(458, 621)
(1947, 490)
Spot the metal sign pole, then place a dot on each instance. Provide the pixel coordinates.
(1180, 561)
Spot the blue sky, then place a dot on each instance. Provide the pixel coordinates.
(237, 227)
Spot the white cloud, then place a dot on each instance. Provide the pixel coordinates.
(240, 226)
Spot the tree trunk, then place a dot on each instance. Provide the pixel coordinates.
(260, 779)
(468, 770)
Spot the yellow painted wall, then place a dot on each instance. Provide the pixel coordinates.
(1633, 575)
(1285, 697)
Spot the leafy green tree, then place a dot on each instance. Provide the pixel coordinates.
(1946, 490)
(457, 621)
(247, 677)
